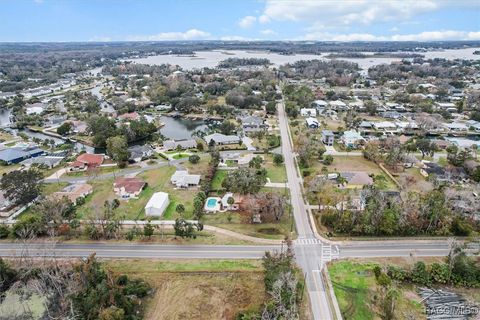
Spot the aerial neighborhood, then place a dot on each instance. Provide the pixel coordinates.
(265, 148)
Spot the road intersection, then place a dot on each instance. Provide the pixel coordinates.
(312, 251)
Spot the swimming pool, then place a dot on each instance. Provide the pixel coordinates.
(212, 204)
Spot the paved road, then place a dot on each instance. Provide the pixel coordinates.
(136, 250)
(308, 258)
(120, 172)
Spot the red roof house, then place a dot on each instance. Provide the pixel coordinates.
(87, 160)
(128, 187)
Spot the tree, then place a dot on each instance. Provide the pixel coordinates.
(148, 229)
(245, 180)
(256, 162)
(271, 107)
(101, 128)
(194, 159)
(426, 147)
(117, 149)
(328, 160)
(277, 159)
(180, 209)
(21, 187)
(227, 127)
(186, 229)
(64, 128)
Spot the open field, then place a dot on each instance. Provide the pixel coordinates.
(356, 288)
(262, 230)
(200, 289)
(274, 172)
(217, 180)
(157, 180)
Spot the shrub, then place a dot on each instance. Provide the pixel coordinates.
(194, 159)
(420, 274)
(4, 231)
(440, 273)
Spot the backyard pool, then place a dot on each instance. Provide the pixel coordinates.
(212, 204)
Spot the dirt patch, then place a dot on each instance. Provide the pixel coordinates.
(205, 295)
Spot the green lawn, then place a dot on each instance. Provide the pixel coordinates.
(157, 180)
(217, 180)
(180, 156)
(97, 171)
(261, 230)
(357, 292)
(276, 173)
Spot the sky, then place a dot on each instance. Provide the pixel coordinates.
(160, 20)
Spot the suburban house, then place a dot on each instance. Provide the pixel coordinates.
(328, 138)
(74, 192)
(237, 200)
(312, 123)
(219, 138)
(127, 188)
(43, 161)
(308, 112)
(17, 154)
(253, 124)
(240, 159)
(157, 204)
(456, 127)
(129, 116)
(179, 144)
(320, 104)
(448, 106)
(139, 153)
(86, 161)
(182, 179)
(338, 105)
(352, 139)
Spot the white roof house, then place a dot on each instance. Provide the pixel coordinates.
(338, 104)
(184, 144)
(384, 125)
(456, 126)
(351, 138)
(182, 179)
(312, 122)
(308, 112)
(222, 139)
(320, 103)
(157, 204)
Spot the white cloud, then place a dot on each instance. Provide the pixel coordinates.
(100, 39)
(348, 12)
(247, 22)
(264, 19)
(234, 38)
(268, 32)
(442, 35)
(192, 34)
(394, 29)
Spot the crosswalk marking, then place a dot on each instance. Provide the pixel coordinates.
(307, 241)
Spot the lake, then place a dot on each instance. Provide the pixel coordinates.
(180, 128)
(210, 59)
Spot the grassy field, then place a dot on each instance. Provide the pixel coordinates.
(157, 180)
(263, 230)
(97, 171)
(356, 290)
(274, 172)
(200, 289)
(217, 180)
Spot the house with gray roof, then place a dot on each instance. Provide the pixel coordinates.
(253, 124)
(44, 161)
(219, 138)
(182, 144)
(16, 154)
(138, 153)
